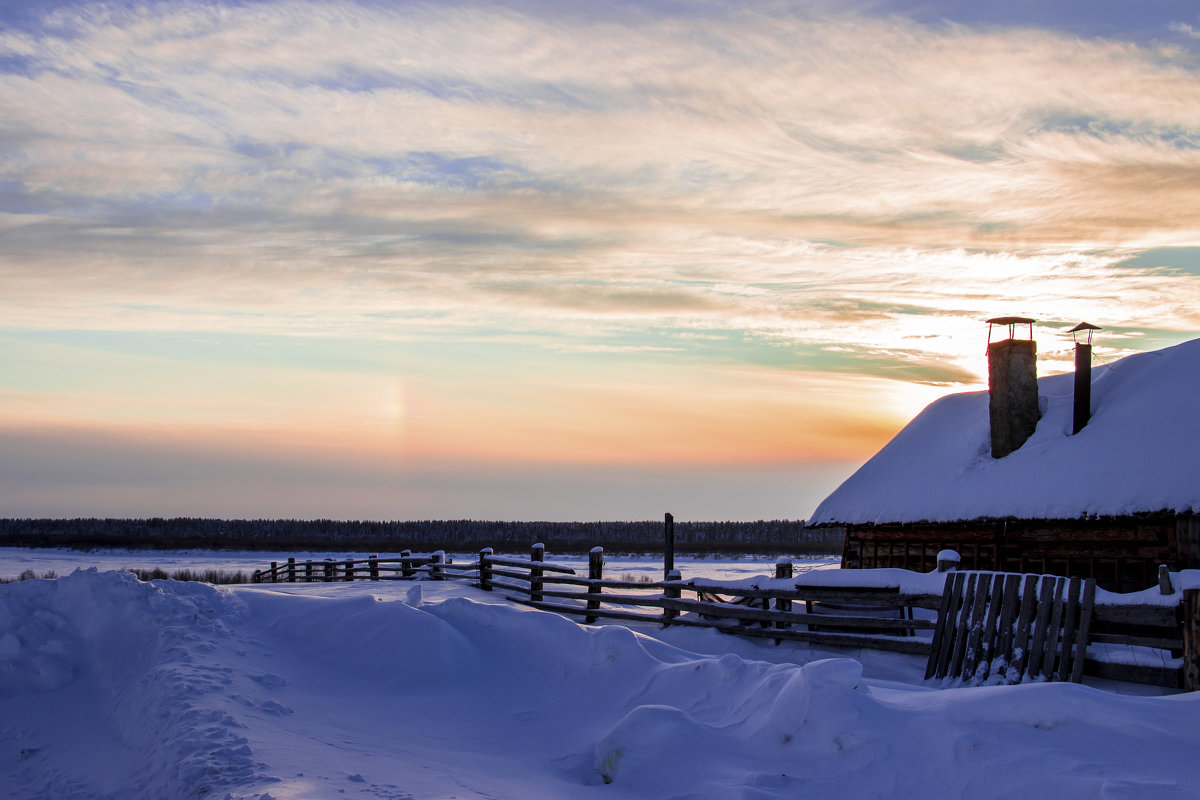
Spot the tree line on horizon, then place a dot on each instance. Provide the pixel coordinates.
(761, 536)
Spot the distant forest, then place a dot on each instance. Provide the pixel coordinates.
(763, 536)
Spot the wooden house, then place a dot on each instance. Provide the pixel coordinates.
(1103, 481)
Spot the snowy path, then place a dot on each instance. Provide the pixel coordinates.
(114, 689)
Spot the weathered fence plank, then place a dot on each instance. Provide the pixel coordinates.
(939, 632)
(908, 645)
(983, 596)
(1053, 630)
(1037, 648)
(1066, 662)
(731, 611)
(962, 629)
(1011, 599)
(1087, 603)
(1024, 622)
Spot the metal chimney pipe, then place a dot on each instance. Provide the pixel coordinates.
(1083, 386)
(1083, 377)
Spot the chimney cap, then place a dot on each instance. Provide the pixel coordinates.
(1012, 323)
(1080, 328)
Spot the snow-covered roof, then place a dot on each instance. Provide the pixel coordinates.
(1139, 453)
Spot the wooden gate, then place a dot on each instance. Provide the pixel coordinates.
(1001, 628)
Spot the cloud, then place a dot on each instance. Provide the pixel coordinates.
(808, 189)
(1184, 28)
(595, 297)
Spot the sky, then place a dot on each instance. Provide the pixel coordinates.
(559, 260)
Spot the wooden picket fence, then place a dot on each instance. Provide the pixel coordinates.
(988, 628)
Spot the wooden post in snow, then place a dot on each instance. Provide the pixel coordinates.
(671, 593)
(435, 568)
(291, 570)
(308, 571)
(948, 560)
(350, 570)
(595, 575)
(406, 567)
(1191, 640)
(373, 566)
(783, 571)
(668, 545)
(485, 569)
(537, 554)
(1164, 580)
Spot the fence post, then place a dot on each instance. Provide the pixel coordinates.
(435, 568)
(668, 546)
(537, 554)
(373, 564)
(350, 569)
(485, 569)
(948, 561)
(291, 570)
(256, 577)
(595, 575)
(783, 571)
(1164, 580)
(308, 571)
(406, 567)
(1191, 640)
(274, 572)
(671, 593)
(329, 569)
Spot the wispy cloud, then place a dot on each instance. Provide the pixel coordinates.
(807, 188)
(1185, 28)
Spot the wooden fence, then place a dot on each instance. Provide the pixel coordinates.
(951, 630)
(993, 628)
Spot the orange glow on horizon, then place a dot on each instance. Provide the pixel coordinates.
(744, 417)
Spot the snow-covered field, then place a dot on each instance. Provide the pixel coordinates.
(15, 560)
(111, 688)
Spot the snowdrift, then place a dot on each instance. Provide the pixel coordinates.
(110, 688)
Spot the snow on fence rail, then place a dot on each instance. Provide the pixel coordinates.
(1141, 643)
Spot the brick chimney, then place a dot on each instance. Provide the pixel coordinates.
(1012, 386)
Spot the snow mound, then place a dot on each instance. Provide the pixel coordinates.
(127, 662)
(1139, 453)
(110, 688)
(814, 706)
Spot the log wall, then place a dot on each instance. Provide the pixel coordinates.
(1122, 554)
